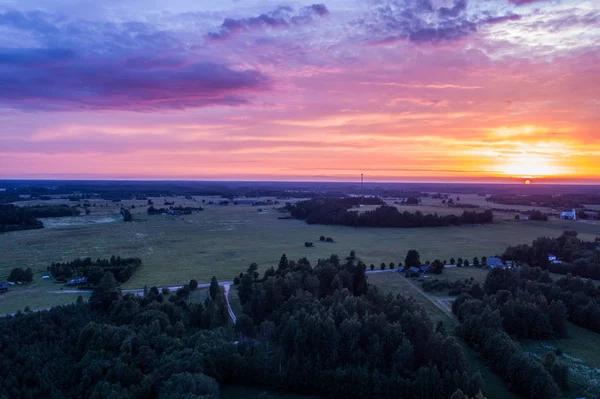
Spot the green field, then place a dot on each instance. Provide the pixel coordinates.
(222, 241)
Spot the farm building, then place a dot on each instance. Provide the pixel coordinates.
(569, 215)
(494, 262)
(3, 287)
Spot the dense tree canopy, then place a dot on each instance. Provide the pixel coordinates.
(576, 256)
(336, 211)
(321, 330)
(121, 268)
(23, 218)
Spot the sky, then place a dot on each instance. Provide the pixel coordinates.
(400, 90)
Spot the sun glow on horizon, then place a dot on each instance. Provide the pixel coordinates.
(528, 165)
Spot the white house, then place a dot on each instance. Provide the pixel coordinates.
(569, 215)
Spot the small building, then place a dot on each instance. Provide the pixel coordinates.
(569, 215)
(553, 259)
(425, 269)
(3, 287)
(494, 262)
(414, 269)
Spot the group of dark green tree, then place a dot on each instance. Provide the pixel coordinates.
(119, 346)
(324, 330)
(18, 274)
(321, 330)
(94, 270)
(525, 303)
(564, 201)
(339, 212)
(576, 256)
(187, 210)
(14, 218)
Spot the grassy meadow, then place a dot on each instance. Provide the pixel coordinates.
(222, 241)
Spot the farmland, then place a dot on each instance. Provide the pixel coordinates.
(222, 241)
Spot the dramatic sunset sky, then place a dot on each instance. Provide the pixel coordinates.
(290, 90)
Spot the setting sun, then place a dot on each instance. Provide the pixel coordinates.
(531, 165)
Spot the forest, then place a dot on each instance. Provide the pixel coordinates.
(566, 201)
(575, 256)
(121, 268)
(338, 212)
(319, 330)
(13, 218)
(526, 303)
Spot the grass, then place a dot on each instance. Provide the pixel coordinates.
(222, 241)
(395, 283)
(35, 296)
(460, 273)
(581, 352)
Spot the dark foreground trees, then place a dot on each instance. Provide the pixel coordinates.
(320, 330)
(523, 304)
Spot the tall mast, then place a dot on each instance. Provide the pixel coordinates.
(361, 190)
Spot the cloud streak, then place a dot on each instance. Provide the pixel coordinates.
(281, 17)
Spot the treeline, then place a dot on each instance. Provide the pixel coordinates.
(326, 331)
(546, 200)
(326, 211)
(575, 256)
(514, 304)
(18, 274)
(119, 347)
(329, 333)
(121, 268)
(14, 218)
(173, 209)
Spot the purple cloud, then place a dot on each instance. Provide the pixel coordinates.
(279, 18)
(130, 66)
(113, 84)
(419, 22)
(502, 19)
(523, 2)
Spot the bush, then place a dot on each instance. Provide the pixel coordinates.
(308, 244)
(322, 238)
(372, 266)
(382, 266)
(392, 265)
(166, 291)
(20, 274)
(329, 239)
